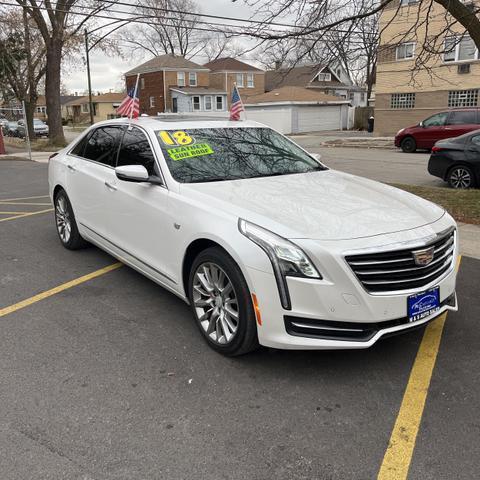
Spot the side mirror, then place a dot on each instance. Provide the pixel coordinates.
(421, 125)
(316, 156)
(132, 173)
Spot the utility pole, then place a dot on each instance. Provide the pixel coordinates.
(90, 103)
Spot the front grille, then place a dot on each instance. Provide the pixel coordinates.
(396, 270)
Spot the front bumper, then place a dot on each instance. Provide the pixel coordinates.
(339, 299)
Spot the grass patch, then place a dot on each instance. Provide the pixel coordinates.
(463, 205)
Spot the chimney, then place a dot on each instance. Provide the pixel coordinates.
(278, 64)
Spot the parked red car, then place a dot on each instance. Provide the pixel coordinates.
(448, 124)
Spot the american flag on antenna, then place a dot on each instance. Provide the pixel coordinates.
(237, 105)
(130, 107)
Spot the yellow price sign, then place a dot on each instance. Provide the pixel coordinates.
(178, 137)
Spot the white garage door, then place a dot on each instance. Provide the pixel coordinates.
(278, 118)
(314, 119)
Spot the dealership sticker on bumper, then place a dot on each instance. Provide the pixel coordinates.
(423, 304)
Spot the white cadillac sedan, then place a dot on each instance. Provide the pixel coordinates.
(265, 243)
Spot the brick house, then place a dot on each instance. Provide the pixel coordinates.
(330, 80)
(170, 83)
(405, 95)
(225, 72)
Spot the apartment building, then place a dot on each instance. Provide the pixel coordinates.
(412, 84)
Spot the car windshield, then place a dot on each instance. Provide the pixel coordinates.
(216, 154)
(37, 122)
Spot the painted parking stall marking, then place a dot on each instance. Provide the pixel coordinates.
(398, 455)
(16, 208)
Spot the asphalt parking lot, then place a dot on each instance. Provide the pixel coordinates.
(108, 378)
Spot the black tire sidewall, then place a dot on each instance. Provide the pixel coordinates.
(408, 141)
(75, 241)
(463, 167)
(246, 336)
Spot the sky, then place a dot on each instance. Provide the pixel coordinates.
(107, 71)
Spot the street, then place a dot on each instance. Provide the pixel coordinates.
(108, 377)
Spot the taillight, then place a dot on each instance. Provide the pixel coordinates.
(436, 149)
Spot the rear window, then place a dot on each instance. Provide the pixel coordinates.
(216, 154)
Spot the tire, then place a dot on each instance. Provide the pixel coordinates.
(461, 177)
(65, 222)
(210, 294)
(408, 145)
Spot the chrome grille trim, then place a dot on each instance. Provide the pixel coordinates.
(395, 271)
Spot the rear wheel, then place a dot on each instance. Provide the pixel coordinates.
(460, 177)
(408, 145)
(66, 225)
(221, 303)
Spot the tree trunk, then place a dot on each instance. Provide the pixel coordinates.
(52, 92)
(29, 111)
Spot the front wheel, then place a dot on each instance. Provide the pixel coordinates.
(408, 145)
(221, 303)
(460, 177)
(66, 225)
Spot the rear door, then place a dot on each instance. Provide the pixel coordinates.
(460, 122)
(141, 224)
(91, 178)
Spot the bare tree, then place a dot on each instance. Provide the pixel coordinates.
(58, 23)
(23, 66)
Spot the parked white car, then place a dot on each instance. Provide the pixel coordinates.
(265, 243)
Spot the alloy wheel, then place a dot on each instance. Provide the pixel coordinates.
(62, 216)
(215, 303)
(460, 178)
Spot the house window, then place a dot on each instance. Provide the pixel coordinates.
(457, 50)
(192, 79)
(402, 100)
(142, 83)
(250, 81)
(403, 3)
(152, 102)
(181, 79)
(351, 96)
(324, 77)
(239, 77)
(41, 109)
(85, 108)
(208, 102)
(362, 97)
(219, 102)
(463, 98)
(196, 103)
(405, 51)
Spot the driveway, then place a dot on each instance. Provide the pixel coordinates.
(105, 376)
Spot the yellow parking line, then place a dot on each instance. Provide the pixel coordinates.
(60, 288)
(398, 456)
(25, 215)
(14, 213)
(23, 198)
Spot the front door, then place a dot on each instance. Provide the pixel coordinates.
(433, 129)
(141, 224)
(174, 104)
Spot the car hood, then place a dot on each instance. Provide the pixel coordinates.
(325, 205)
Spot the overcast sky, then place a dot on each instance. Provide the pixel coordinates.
(106, 71)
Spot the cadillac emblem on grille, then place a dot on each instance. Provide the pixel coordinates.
(423, 257)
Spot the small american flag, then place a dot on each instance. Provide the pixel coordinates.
(130, 107)
(237, 105)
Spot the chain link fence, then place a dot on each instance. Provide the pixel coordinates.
(13, 123)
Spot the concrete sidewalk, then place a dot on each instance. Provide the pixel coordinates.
(344, 138)
(40, 157)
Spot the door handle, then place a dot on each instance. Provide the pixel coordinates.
(71, 168)
(110, 186)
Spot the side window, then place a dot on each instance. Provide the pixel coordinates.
(437, 120)
(80, 146)
(102, 145)
(135, 150)
(462, 117)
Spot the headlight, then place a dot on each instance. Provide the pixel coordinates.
(287, 259)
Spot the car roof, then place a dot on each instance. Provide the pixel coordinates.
(171, 122)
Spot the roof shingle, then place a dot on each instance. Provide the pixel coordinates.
(157, 64)
(292, 94)
(231, 65)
